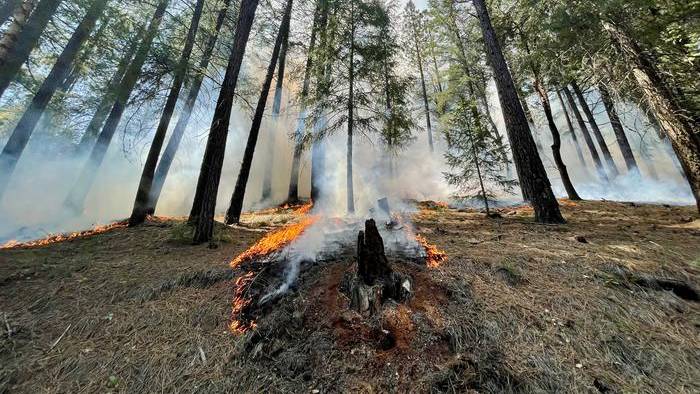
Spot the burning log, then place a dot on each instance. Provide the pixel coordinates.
(375, 282)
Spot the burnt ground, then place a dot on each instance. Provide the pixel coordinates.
(604, 303)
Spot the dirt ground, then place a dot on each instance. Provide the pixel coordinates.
(605, 303)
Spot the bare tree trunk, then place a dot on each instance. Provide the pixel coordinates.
(11, 63)
(317, 149)
(293, 192)
(276, 107)
(678, 122)
(533, 177)
(622, 140)
(210, 172)
(233, 214)
(579, 153)
(586, 136)
(20, 135)
(20, 14)
(596, 130)
(166, 159)
(351, 107)
(76, 197)
(108, 98)
(140, 210)
(556, 142)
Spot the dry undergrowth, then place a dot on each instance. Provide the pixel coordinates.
(517, 307)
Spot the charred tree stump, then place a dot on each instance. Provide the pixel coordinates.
(375, 282)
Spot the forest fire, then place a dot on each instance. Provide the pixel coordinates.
(435, 257)
(274, 241)
(240, 302)
(54, 238)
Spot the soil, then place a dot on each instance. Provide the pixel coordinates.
(516, 307)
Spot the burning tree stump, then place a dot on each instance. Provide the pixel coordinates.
(374, 282)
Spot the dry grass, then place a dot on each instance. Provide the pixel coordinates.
(517, 307)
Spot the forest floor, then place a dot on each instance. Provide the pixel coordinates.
(516, 307)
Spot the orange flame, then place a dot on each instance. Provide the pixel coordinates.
(53, 238)
(240, 302)
(274, 241)
(435, 256)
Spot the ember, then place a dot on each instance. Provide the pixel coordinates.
(53, 238)
(239, 324)
(435, 256)
(274, 241)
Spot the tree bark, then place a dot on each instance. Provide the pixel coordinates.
(20, 135)
(317, 149)
(677, 121)
(140, 210)
(108, 98)
(276, 107)
(556, 142)
(233, 214)
(166, 159)
(20, 14)
(210, 172)
(586, 136)
(570, 125)
(533, 177)
(616, 124)
(76, 197)
(11, 63)
(596, 130)
(351, 116)
(293, 192)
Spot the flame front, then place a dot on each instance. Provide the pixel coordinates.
(435, 257)
(274, 241)
(240, 302)
(54, 238)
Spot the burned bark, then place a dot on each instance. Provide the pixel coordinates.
(616, 124)
(233, 214)
(375, 281)
(140, 210)
(166, 159)
(28, 38)
(533, 177)
(596, 130)
(210, 171)
(25, 127)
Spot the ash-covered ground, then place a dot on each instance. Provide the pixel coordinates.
(604, 303)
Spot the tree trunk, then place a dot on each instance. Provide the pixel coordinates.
(586, 136)
(533, 177)
(317, 149)
(276, 107)
(351, 116)
(140, 210)
(570, 125)
(166, 159)
(11, 63)
(622, 141)
(596, 130)
(108, 98)
(293, 192)
(20, 14)
(7, 8)
(556, 142)
(676, 120)
(213, 161)
(76, 197)
(424, 91)
(20, 136)
(233, 214)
